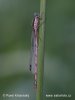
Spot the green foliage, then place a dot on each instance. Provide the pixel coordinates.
(15, 34)
(41, 51)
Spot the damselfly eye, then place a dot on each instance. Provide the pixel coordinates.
(36, 14)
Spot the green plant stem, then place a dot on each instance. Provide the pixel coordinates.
(39, 93)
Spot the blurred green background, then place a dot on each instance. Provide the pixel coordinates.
(15, 37)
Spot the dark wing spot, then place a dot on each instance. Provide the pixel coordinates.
(30, 67)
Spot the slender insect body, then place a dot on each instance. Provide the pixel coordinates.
(34, 51)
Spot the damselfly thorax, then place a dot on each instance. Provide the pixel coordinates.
(36, 25)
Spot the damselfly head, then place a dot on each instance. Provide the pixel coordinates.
(36, 15)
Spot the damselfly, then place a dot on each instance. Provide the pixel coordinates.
(34, 48)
